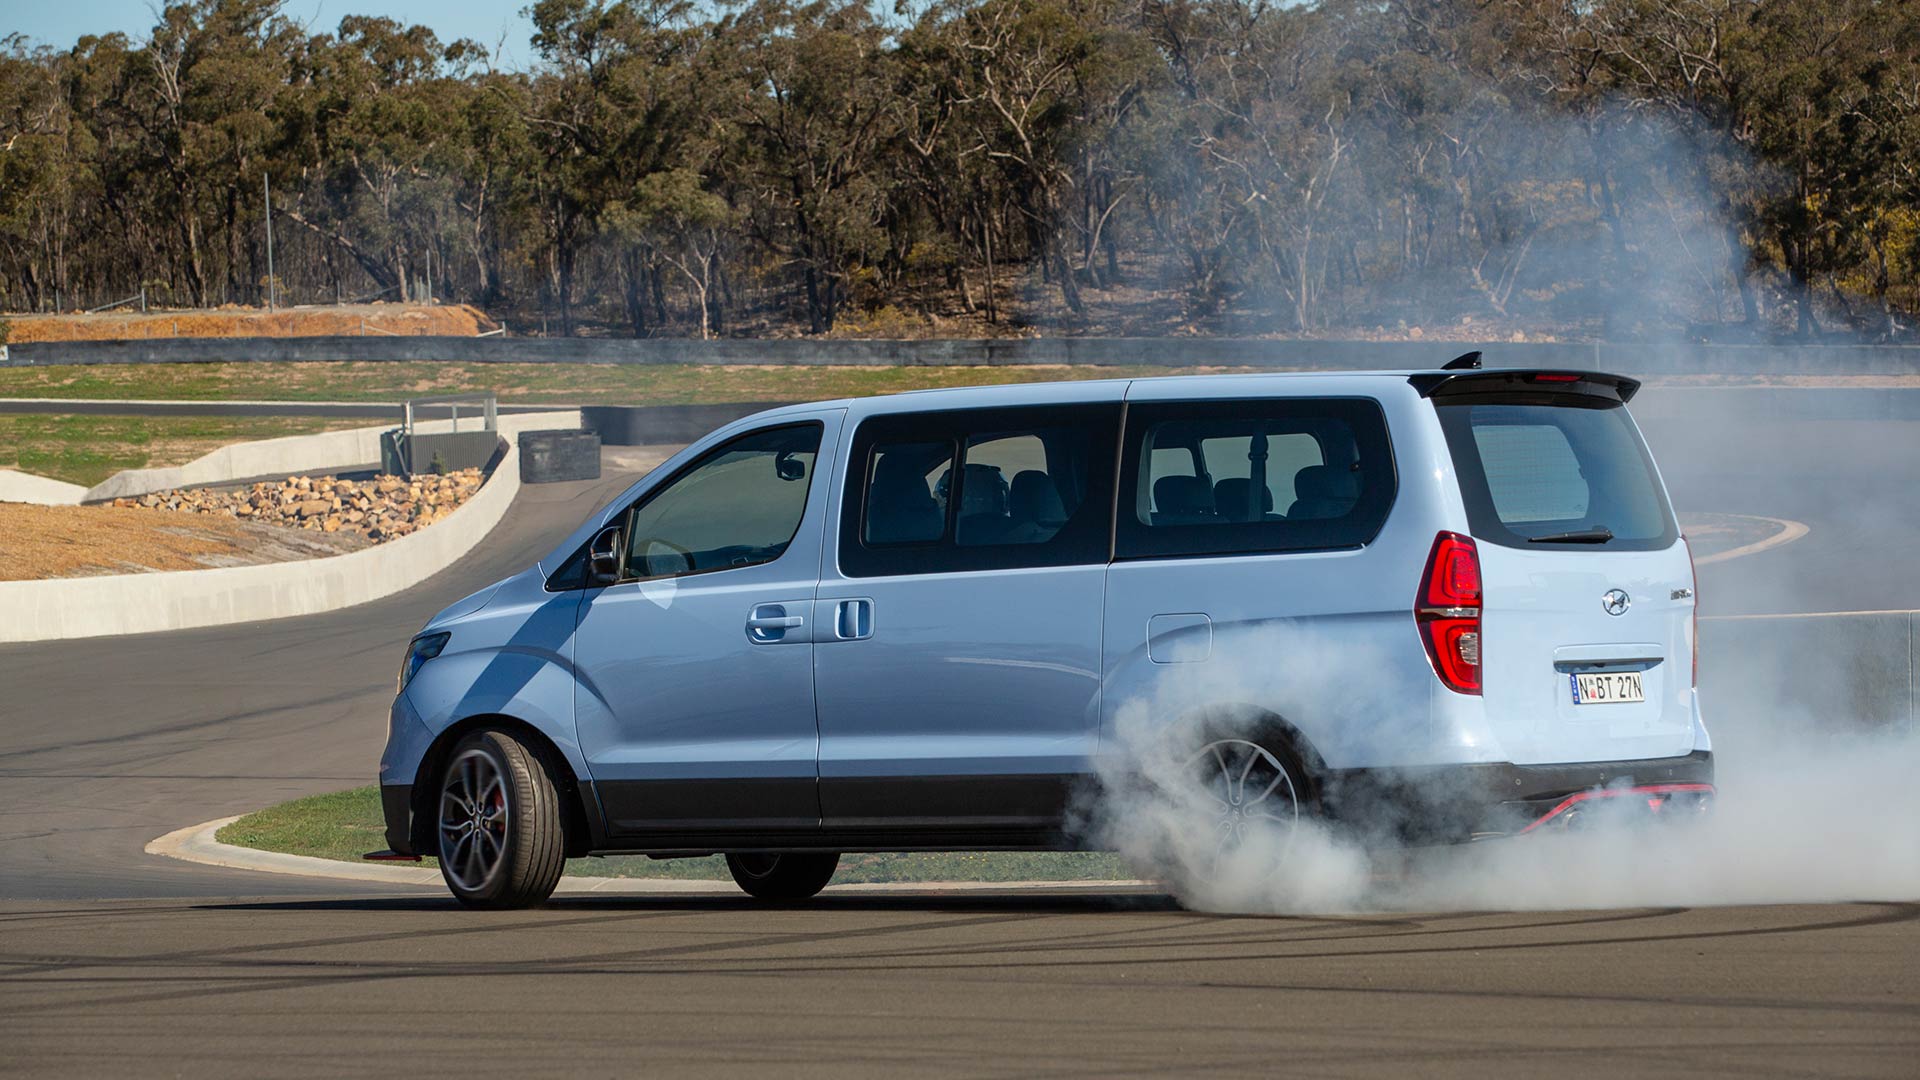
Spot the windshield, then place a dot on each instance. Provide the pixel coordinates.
(1542, 476)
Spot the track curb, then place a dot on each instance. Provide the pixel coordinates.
(196, 844)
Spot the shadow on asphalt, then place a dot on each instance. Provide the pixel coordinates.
(1024, 903)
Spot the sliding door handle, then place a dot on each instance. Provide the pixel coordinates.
(853, 619)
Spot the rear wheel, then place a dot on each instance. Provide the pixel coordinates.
(1250, 792)
(785, 876)
(502, 844)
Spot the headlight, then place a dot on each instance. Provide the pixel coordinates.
(422, 649)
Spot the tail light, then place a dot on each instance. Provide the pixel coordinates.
(1448, 612)
(1693, 579)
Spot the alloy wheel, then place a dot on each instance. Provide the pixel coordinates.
(1249, 791)
(473, 819)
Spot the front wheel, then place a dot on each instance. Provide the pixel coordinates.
(501, 841)
(785, 876)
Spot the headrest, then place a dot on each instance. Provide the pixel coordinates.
(1230, 498)
(1182, 495)
(1036, 499)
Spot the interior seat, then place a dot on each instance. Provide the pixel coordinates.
(1035, 508)
(1182, 500)
(984, 503)
(1324, 491)
(900, 509)
(1230, 499)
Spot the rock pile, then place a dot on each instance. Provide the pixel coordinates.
(378, 509)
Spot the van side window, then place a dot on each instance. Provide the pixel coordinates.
(739, 505)
(979, 490)
(1213, 478)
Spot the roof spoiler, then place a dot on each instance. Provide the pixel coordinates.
(1526, 381)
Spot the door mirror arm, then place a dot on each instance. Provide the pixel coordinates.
(603, 558)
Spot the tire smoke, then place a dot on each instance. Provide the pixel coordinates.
(1800, 816)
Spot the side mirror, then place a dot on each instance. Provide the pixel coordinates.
(787, 468)
(603, 557)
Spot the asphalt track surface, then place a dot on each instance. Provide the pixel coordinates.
(113, 962)
(1854, 483)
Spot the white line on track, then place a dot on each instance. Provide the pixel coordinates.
(1789, 532)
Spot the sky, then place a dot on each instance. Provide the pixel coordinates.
(493, 23)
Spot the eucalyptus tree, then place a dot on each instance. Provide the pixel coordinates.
(815, 111)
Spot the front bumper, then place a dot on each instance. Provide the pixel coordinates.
(408, 740)
(396, 805)
(1449, 803)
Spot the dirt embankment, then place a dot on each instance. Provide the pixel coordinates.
(195, 529)
(456, 320)
(85, 541)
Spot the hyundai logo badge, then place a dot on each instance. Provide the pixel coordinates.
(1616, 602)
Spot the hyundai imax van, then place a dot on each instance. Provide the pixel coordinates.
(918, 622)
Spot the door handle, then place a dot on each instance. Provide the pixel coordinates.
(769, 623)
(853, 619)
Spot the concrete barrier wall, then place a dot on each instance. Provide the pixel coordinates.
(644, 425)
(1173, 352)
(142, 603)
(28, 488)
(295, 454)
(1844, 673)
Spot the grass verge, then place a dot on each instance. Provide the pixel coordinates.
(88, 449)
(614, 384)
(348, 824)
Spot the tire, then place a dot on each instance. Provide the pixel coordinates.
(1250, 785)
(784, 877)
(507, 847)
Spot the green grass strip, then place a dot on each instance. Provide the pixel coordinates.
(598, 384)
(347, 824)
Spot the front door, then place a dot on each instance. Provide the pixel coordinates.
(694, 694)
(958, 638)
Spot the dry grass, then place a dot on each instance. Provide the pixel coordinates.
(458, 320)
(83, 449)
(84, 541)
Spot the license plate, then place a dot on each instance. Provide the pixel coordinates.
(1607, 688)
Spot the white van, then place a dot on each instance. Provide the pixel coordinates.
(1450, 602)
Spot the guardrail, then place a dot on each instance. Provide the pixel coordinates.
(1783, 359)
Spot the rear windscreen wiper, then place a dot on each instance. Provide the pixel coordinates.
(1599, 534)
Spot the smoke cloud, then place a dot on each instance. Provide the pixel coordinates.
(1801, 815)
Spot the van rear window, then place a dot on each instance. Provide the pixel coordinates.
(1562, 474)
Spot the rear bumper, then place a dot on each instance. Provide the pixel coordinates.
(1463, 802)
